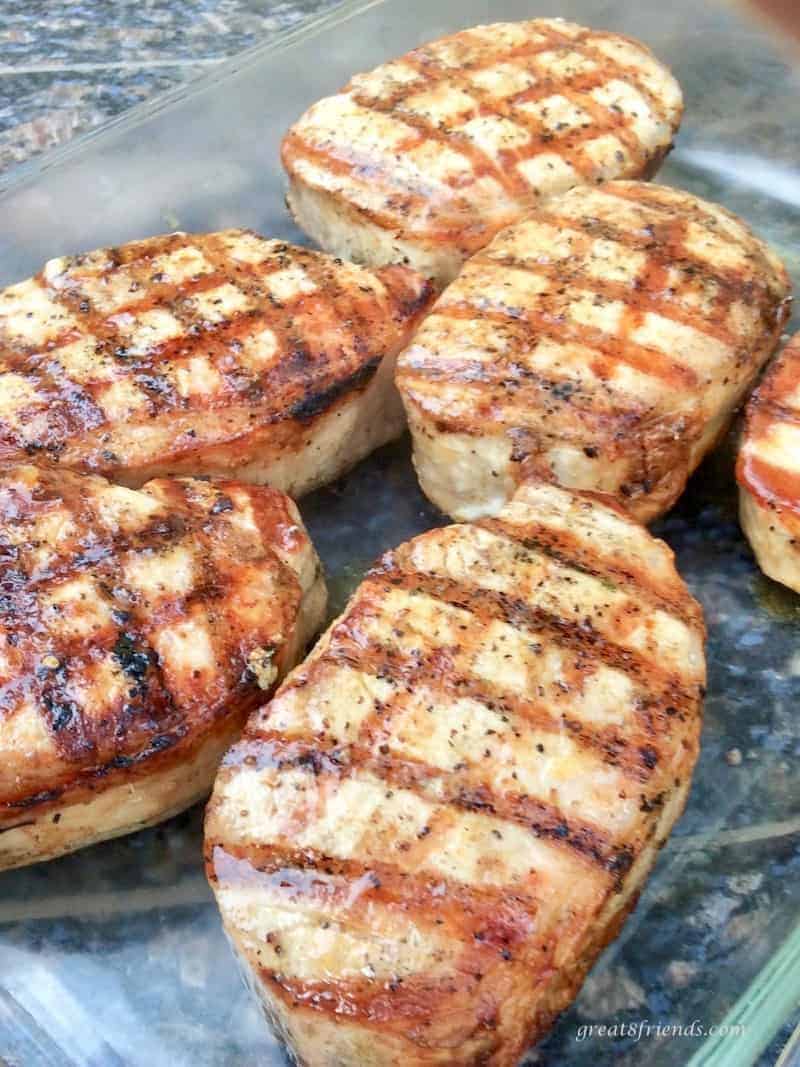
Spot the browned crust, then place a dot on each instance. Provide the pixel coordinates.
(632, 754)
(565, 547)
(331, 341)
(463, 789)
(116, 799)
(661, 446)
(506, 987)
(772, 486)
(453, 223)
(487, 604)
(102, 741)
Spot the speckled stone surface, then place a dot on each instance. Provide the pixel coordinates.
(67, 67)
(115, 956)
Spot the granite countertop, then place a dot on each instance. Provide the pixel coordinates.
(70, 66)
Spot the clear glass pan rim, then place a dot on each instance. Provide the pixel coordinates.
(28, 171)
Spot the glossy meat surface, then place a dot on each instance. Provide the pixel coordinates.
(768, 469)
(421, 844)
(137, 630)
(219, 354)
(423, 159)
(604, 341)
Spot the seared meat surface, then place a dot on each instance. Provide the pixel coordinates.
(422, 843)
(768, 469)
(604, 341)
(423, 159)
(218, 354)
(138, 628)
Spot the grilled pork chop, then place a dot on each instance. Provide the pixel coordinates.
(206, 354)
(424, 841)
(425, 158)
(768, 469)
(138, 628)
(604, 341)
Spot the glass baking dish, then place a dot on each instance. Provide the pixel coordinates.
(115, 955)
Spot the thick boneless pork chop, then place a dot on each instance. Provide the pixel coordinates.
(768, 469)
(204, 354)
(426, 157)
(422, 843)
(138, 628)
(604, 341)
